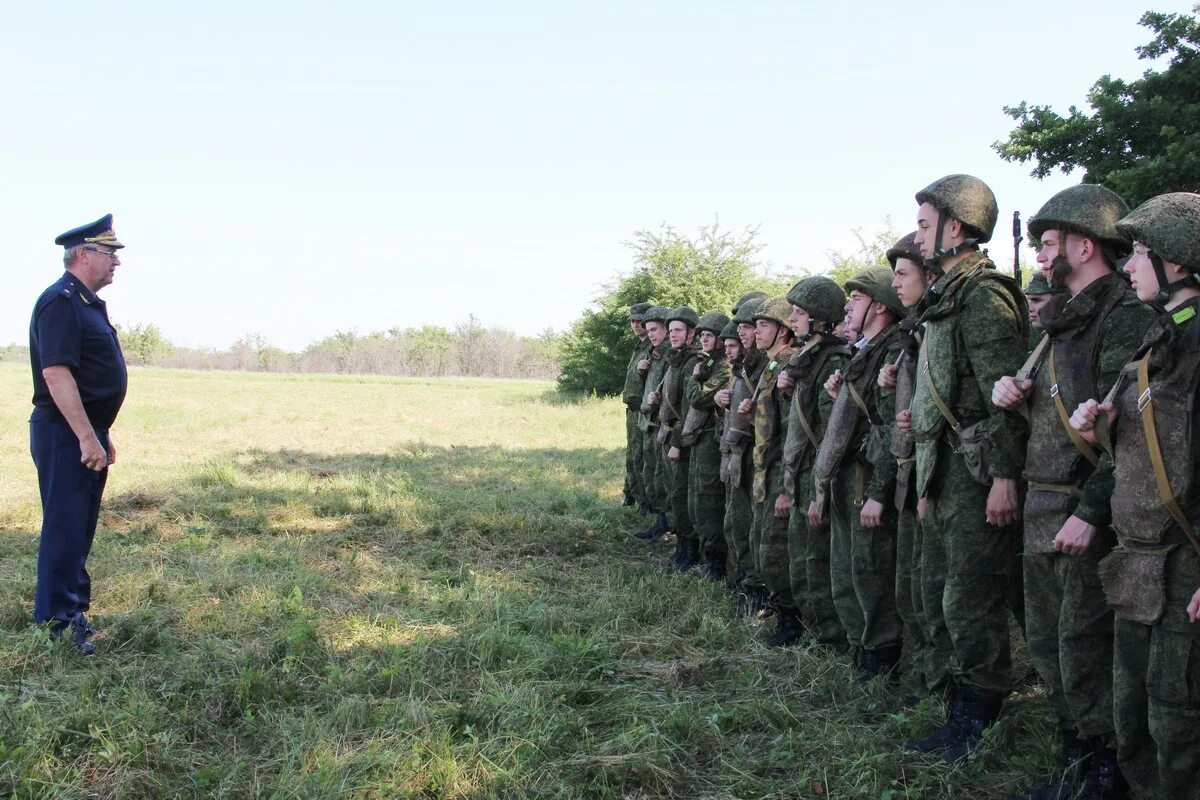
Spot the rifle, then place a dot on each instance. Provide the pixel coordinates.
(1017, 237)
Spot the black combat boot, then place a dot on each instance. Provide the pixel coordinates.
(1069, 769)
(788, 629)
(875, 663)
(687, 550)
(948, 731)
(1103, 780)
(656, 530)
(734, 583)
(716, 566)
(980, 710)
(79, 635)
(628, 501)
(645, 510)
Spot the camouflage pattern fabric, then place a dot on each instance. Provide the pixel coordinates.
(648, 424)
(843, 513)
(706, 493)
(768, 538)
(635, 387)
(739, 518)
(908, 596)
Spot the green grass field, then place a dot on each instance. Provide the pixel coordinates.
(319, 587)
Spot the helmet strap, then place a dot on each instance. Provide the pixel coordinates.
(1165, 289)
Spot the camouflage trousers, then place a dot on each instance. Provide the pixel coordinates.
(652, 474)
(966, 564)
(862, 564)
(706, 495)
(675, 480)
(1156, 692)
(927, 659)
(821, 608)
(1069, 625)
(770, 543)
(634, 460)
(739, 517)
(797, 539)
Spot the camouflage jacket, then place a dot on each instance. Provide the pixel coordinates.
(975, 333)
(672, 407)
(654, 377)
(809, 369)
(699, 390)
(770, 412)
(635, 382)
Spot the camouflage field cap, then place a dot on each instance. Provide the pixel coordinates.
(745, 314)
(967, 199)
(821, 297)
(775, 309)
(1039, 285)
(1087, 209)
(636, 310)
(729, 331)
(905, 247)
(747, 297)
(1170, 226)
(685, 314)
(876, 282)
(656, 314)
(713, 321)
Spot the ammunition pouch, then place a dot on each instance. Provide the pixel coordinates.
(694, 425)
(1135, 583)
(974, 447)
(664, 433)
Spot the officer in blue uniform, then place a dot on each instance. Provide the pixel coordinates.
(79, 383)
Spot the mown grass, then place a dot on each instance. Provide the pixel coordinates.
(319, 587)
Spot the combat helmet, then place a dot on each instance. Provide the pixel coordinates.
(684, 314)
(656, 314)
(637, 310)
(821, 297)
(876, 282)
(905, 247)
(966, 199)
(747, 297)
(1089, 210)
(775, 309)
(713, 321)
(1169, 225)
(745, 313)
(730, 331)
(1039, 285)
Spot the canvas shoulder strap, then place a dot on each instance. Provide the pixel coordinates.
(1031, 364)
(942, 408)
(1083, 447)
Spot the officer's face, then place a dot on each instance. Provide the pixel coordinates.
(1036, 301)
(733, 348)
(98, 268)
(656, 331)
(680, 334)
(927, 217)
(799, 321)
(708, 341)
(908, 281)
(746, 334)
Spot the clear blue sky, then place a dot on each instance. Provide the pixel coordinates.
(295, 169)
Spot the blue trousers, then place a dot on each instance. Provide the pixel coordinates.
(70, 508)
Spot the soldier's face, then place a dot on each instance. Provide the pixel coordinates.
(746, 334)
(799, 321)
(656, 331)
(857, 308)
(843, 332)
(679, 333)
(708, 341)
(733, 348)
(1036, 301)
(908, 281)
(927, 217)
(765, 334)
(1140, 270)
(639, 330)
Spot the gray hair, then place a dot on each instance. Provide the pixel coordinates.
(71, 254)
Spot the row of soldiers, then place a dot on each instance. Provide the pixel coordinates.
(945, 465)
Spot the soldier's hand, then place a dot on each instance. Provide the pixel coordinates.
(1008, 394)
(1002, 502)
(1074, 537)
(834, 384)
(871, 515)
(1194, 607)
(112, 452)
(904, 421)
(643, 366)
(785, 380)
(673, 454)
(783, 506)
(922, 504)
(696, 369)
(92, 454)
(746, 407)
(1089, 412)
(816, 515)
(887, 377)
(653, 398)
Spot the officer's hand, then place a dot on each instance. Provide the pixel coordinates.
(834, 384)
(1002, 503)
(1074, 537)
(92, 454)
(723, 398)
(871, 515)
(783, 506)
(1008, 394)
(922, 504)
(746, 407)
(112, 452)
(1194, 607)
(887, 377)
(653, 398)
(673, 454)
(643, 366)
(904, 421)
(1089, 412)
(785, 380)
(816, 515)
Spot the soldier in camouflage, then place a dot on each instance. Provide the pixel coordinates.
(700, 433)
(1091, 331)
(654, 319)
(635, 387)
(1149, 423)
(682, 359)
(734, 352)
(969, 454)
(817, 307)
(855, 477)
(1037, 293)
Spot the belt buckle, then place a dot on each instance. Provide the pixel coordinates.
(1144, 399)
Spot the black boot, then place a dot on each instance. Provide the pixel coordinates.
(787, 629)
(79, 634)
(1067, 777)
(628, 501)
(687, 549)
(948, 731)
(656, 530)
(715, 566)
(1103, 780)
(875, 663)
(980, 710)
(734, 584)
(645, 510)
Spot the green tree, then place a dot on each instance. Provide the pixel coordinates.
(871, 250)
(143, 344)
(1142, 137)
